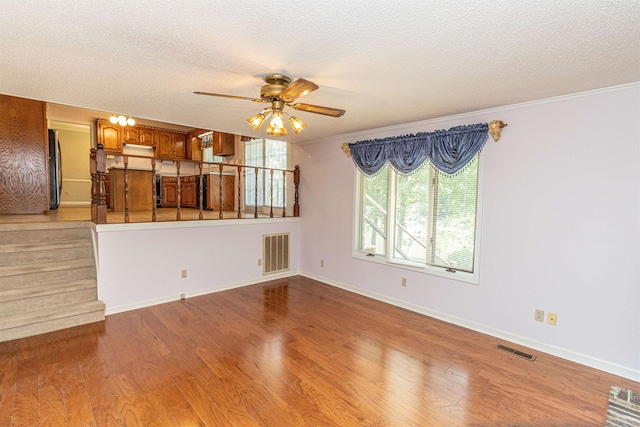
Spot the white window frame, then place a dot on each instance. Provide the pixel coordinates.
(388, 259)
(263, 209)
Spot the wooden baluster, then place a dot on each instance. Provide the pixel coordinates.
(94, 185)
(296, 183)
(220, 216)
(200, 192)
(179, 191)
(153, 190)
(271, 193)
(126, 189)
(101, 167)
(284, 194)
(239, 192)
(255, 213)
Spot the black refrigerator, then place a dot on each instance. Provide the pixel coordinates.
(55, 169)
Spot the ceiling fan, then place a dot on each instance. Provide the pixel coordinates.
(280, 92)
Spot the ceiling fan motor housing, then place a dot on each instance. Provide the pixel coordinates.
(276, 83)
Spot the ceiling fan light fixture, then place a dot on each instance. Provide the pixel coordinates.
(271, 131)
(130, 121)
(277, 120)
(113, 119)
(256, 121)
(122, 120)
(296, 124)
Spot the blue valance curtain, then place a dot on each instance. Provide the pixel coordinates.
(447, 150)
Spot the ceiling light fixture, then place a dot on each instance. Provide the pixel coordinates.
(277, 122)
(122, 120)
(296, 124)
(280, 92)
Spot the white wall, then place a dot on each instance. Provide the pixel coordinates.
(75, 145)
(560, 229)
(141, 264)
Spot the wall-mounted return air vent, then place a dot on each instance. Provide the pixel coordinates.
(522, 354)
(275, 253)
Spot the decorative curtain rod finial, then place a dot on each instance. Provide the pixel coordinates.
(346, 149)
(495, 129)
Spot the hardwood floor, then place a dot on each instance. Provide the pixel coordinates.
(162, 215)
(289, 352)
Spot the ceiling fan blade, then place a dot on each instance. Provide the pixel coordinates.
(230, 96)
(295, 90)
(333, 112)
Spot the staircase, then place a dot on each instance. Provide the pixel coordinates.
(47, 278)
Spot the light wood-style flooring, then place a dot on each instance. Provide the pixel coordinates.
(290, 352)
(162, 215)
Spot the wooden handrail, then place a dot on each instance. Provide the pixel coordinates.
(99, 191)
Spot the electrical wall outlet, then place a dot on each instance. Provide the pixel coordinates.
(552, 318)
(184, 274)
(539, 315)
(404, 281)
(182, 297)
(259, 262)
(321, 263)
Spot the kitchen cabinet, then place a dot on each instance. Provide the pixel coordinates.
(138, 135)
(188, 193)
(213, 192)
(194, 149)
(224, 144)
(170, 145)
(110, 136)
(169, 191)
(139, 182)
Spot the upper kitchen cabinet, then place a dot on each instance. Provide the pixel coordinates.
(139, 135)
(170, 145)
(110, 136)
(194, 144)
(224, 144)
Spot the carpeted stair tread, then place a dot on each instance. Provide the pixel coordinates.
(46, 232)
(49, 225)
(90, 314)
(45, 289)
(49, 314)
(45, 277)
(45, 266)
(46, 246)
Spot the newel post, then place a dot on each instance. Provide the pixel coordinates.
(100, 190)
(296, 183)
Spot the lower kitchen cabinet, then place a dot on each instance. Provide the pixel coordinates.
(139, 183)
(213, 192)
(169, 191)
(188, 192)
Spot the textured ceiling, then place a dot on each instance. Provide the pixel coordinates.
(384, 62)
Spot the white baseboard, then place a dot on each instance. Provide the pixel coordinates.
(555, 351)
(198, 292)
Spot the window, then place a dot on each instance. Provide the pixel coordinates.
(264, 153)
(207, 148)
(425, 219)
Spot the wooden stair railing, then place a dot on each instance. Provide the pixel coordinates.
(98, 189)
